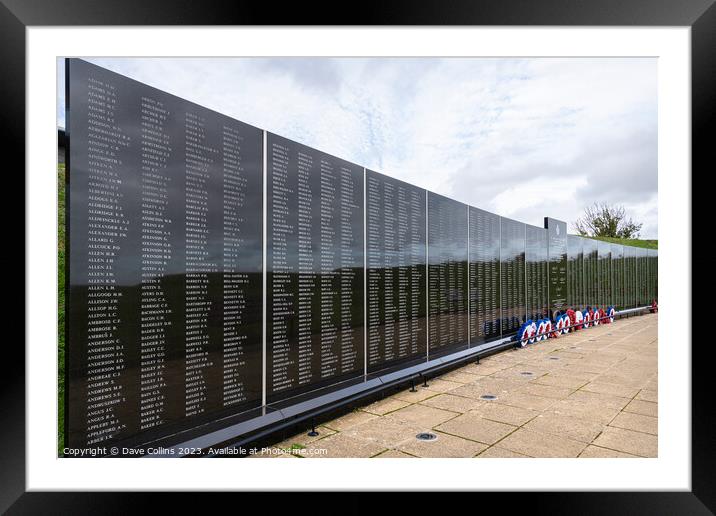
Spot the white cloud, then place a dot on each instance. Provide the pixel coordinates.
(524, 138)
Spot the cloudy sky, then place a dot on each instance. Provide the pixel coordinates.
(524, 138)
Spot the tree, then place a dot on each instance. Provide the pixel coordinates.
(600, 219)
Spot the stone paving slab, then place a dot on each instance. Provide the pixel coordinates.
(520, 372)
(496, 452)
(637, 422)
(445, 445)
(599, 414)
(472, 426)
(623, 379)
(484, 368)
(351, 419)
(449, 401)
(386, 431)
(479, 389)
(581, 430)
(596, 452)
(611, 388)
(460, 376)
(598, 399)
(646, 408)
(525, 400)
(563, 380)
(385, 406)
(539, 444)
(413, 397)
(547, 391)
(647, 395)
(628, 441)
(422, 415)
(440, 385)
(516, 416)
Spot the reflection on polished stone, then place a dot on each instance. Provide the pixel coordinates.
(164, 300)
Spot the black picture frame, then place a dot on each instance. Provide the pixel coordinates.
(699, 15)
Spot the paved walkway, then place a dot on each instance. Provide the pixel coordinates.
(592, 393)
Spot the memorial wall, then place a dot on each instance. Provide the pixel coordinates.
(395, 269)
(630, 277)
(646, 299)
(575, 271)
(447, 275)
(638, 271)
(639, 277)
(164, 294)
(591, 276)
(512, 274)
(215, 268)
(536, 253)
(654, 274)
(557, 251)
(604, 250)
(618, 276)
(643, 281)
(314, 268)
(485, 304)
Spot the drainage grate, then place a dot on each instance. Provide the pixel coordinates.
(426, 436)
(488, 397)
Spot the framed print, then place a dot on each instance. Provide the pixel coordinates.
(304, 281)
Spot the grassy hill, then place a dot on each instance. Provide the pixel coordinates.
(648, 244)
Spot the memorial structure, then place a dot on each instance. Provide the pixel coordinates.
(396, 323)
(447, 274)
(217, 270)
(484, 277)
(314, 268)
